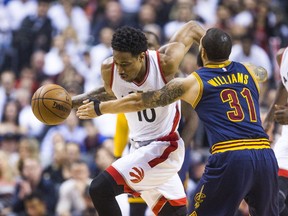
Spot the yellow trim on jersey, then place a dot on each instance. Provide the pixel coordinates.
(121, 135)
(253, 77)
(200, 92)
(224, 64)
(241, 144)
(135, 200)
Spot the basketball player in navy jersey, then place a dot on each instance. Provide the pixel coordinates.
(225, 96)
(156, 155)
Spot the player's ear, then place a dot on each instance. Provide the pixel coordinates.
(203, 53)
(142, 57)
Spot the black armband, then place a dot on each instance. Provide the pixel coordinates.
(96, 106)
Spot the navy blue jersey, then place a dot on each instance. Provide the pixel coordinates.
(228, 106)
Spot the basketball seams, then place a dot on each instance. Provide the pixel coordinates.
(39, 111)
(53, 99)
(43, 98)
(52, 111)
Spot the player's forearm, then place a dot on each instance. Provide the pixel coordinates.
(130, 103)
(281, 95)
(171, 92)
(99, 94)
(280, 99)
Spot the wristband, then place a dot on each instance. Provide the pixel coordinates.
(96, 106)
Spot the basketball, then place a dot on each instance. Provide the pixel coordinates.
(51, 104)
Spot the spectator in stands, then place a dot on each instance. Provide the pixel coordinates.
(35, 205)
(112, 18)
(34, 128)
(7, 183)
(35, 33)
(249, 51)
(71, 200)
(7, 88)
(59, 170)
(10, 120)
(19, 9)
(65, 13)
(32, 181)
(70, 130)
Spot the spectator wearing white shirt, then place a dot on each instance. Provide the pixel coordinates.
(27, 119)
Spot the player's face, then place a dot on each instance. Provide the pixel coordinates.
(128, 66)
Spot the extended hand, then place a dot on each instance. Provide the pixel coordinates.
(281, 114)
(86, 111)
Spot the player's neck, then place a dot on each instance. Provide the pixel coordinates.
(214, 63)
(142, 73)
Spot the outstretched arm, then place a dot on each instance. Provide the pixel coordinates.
(136, 101)
(98, 93)
(178, 88)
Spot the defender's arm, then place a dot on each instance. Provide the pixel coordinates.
(178, 88)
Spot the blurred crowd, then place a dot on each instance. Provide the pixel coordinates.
(46, 170)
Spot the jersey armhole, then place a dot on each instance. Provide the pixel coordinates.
(112, 76)
(160, 68)
(200, 92)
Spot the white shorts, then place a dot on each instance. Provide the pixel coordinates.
(151, 171)
(281, 149)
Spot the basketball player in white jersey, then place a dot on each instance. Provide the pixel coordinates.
(279, 112)
(157, 152)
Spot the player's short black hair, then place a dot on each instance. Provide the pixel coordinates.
(128, 39)
(217, 44)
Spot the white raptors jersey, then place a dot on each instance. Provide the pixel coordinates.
(284, 78)
(148, 124)
(281, 146)
(284, 69)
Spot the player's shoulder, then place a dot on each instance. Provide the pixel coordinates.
(106, 68)
(280, 54)
(107, 63)
(258, 72)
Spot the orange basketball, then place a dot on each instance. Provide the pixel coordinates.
(51, 104)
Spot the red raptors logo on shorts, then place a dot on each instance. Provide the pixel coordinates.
(137, 174)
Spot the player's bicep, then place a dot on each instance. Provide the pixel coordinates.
(171, 57)
(193, 90)
(106, 73)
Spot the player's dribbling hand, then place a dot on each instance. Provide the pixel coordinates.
(86, 111)
(281, 114)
